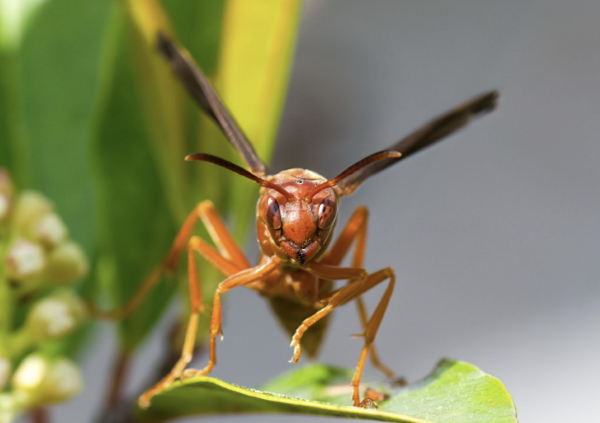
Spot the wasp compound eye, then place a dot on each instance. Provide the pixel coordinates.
(327, 213)
(273, 214)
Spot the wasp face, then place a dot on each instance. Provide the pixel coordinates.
(298, 228)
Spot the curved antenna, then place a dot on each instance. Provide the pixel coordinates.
(201, 90)
(427, 135)
(239, 170)
(375, 157)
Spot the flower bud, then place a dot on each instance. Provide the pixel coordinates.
(30, 206)
(25, 260)
(55, 317)
(62, 382)
(49, 229)
(65, 264)
(47, 381)
(30, 373)
(4, 371)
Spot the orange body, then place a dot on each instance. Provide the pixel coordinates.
(296, 214)
(292, 291)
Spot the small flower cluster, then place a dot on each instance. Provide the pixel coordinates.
(38, 308)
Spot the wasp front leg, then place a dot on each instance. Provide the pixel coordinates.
(373, 323)
(242, 278)
(350, 292)
(356, 230)
(329, 273)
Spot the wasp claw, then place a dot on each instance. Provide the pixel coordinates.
(190, 373)
(368, 403)
(297, 354)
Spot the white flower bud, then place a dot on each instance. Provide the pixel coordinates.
(24, 260)
(49, 230)
(55, 317)
(62, 382)
(30, 206)
(4, 371)
(65, 264)
(47, 381)
(30, 373)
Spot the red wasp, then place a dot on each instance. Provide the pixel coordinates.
(296, 215)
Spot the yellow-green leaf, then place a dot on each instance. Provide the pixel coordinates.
(256, 57)
(455, 392)
(257, 46)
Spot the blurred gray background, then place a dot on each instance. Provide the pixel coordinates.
(494, 233)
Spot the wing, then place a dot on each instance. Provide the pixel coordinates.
(201, 90)
(427, 135)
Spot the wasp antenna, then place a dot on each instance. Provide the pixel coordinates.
(375, 157)
(201, 157)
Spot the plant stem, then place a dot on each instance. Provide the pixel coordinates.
(118, 376)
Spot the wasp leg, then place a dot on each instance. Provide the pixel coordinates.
(224, 266)
(372, 325)
(239, 279)
(356, 229)
(229, 261)
(329, 273)
(225, 243)
(349, 293)
(342, 296)
(190, 334)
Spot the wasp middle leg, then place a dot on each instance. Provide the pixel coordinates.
(229, 258)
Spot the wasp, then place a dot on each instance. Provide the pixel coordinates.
(295, 217)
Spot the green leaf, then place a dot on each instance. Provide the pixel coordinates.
(60, 61)
(456, 392)
(13, 148)
(136, 226)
